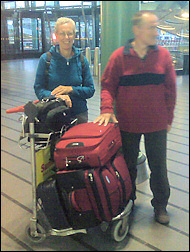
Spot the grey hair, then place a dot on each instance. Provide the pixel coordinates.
(138, 17)
(64, 20)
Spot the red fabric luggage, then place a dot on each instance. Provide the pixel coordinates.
(70, 182)
(103, 192)
(87, 144)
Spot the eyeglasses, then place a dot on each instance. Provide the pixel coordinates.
(64, 34)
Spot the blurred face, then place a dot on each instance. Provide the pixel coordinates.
(146, 32)
(65, 35)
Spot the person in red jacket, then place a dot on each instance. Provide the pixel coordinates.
(141, 81)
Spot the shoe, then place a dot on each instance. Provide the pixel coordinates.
(162, 216)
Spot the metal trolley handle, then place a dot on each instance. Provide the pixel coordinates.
(31, 111)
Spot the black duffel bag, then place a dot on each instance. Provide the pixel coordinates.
(51, 115)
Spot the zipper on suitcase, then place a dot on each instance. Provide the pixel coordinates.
(90, 177)
(121, 181)
(106, 191)
(96, 195)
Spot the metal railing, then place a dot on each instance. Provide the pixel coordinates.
(96, 67)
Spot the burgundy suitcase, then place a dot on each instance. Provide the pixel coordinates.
(87, 144)
(101, 192)
(68, 183)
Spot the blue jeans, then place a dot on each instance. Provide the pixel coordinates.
(155, 146)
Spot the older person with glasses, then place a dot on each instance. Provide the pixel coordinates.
(141, 79)
(65, 78)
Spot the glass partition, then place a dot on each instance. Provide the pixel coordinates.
(31, 34)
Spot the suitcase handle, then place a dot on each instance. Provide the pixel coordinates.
(76, 160)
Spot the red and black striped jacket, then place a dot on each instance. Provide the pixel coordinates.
(144, 90)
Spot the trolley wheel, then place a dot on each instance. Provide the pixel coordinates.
(104, 226)
(39, 237)
(118, 232)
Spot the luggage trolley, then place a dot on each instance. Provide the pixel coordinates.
(118, 227)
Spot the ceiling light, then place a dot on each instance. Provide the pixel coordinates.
(182, 16)
(183, 35)
(185, 15)
(165, 27)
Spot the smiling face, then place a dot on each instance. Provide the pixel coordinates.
(146, 31)
(65, 35)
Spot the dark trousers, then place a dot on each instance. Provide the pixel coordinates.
(155, 146)
(82, 117)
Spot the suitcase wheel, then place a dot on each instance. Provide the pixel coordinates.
(104, 226)
(37, 237)
(119, 229)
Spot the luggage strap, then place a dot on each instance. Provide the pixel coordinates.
(121, 181)
(106, 192)
(96, 195)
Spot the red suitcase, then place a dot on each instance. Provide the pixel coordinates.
(103, 192)
(87, 144)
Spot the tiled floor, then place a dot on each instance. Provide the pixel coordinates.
(17, 77)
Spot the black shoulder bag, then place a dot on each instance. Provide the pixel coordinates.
(52, 115)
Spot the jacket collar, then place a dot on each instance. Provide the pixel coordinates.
(128, 46)
(57, 49)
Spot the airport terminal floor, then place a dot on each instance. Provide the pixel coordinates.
(17, 78)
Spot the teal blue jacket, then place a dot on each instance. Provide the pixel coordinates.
(66, 72)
